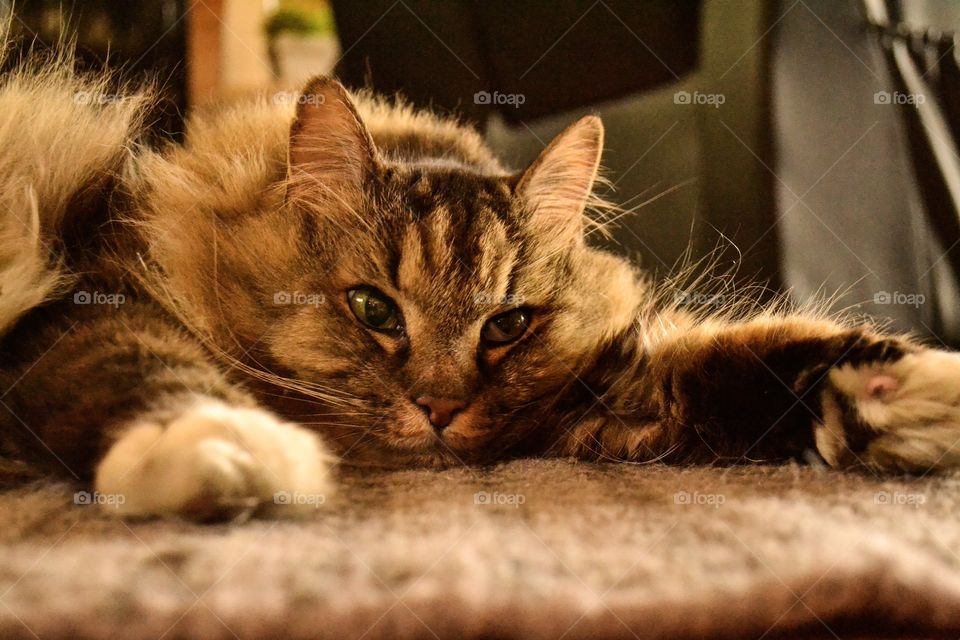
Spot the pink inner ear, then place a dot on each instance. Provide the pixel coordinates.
(556, 186)
(879, 386)
(331, 151)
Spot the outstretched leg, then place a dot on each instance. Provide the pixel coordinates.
(772, 387)
(122, 400)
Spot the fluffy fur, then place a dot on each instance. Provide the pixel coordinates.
(207, 340)
(54, 170)
(244, 456)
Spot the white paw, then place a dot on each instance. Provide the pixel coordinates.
(902, 415)
(213, 462)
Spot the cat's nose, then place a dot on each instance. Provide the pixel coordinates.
(441, 411)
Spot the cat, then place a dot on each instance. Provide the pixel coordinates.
(200, 328)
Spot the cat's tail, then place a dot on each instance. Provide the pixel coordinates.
(64, 137)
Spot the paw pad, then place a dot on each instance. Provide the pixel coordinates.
(880, 387)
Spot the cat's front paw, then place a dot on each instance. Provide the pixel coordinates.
(895, 416)
(214, 462)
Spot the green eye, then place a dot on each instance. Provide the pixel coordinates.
(506, 327)
(374, 309)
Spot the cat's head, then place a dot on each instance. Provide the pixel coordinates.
(436, 299)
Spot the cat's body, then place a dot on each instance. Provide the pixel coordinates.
(342, 274)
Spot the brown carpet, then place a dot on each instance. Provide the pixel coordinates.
(557, 549)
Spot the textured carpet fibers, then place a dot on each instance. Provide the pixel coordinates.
(531, 549)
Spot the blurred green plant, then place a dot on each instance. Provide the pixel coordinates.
(297, 18)
(300, 18)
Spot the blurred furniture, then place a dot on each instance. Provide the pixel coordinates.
(633, 63)
(226, 52)
(866, 177)
(559, 55)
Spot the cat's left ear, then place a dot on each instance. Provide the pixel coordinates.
(331, 154)
(556, 186)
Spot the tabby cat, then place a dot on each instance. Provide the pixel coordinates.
(204, 327)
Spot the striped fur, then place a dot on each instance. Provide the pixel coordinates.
(229, 259)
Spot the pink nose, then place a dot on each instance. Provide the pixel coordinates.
(441, 411)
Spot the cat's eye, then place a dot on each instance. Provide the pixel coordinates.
(374, 309)
(506, 327)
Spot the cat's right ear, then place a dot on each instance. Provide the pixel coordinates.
(556, 187)
(331, 154)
